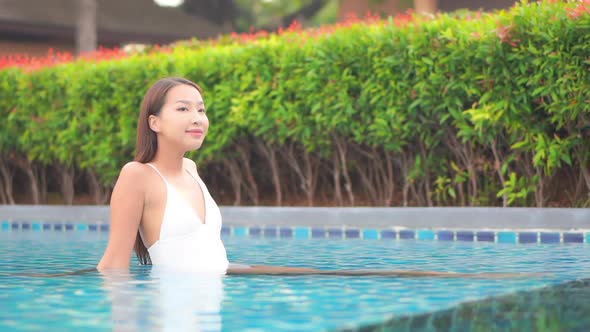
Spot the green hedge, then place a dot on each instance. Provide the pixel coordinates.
(481, 109)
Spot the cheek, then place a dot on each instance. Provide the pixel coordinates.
(205, 122)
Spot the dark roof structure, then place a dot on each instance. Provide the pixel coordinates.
(118, 21)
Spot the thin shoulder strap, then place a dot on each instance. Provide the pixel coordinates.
(192, 175)
(157, 171)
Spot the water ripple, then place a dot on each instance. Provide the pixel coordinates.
(143, 300)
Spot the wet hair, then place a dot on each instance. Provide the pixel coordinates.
(147, 142)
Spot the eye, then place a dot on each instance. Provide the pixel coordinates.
(202, 110)
(182, 109)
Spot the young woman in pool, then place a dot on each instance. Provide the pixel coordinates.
(161, 208)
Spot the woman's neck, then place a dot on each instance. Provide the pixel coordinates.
(169, 160)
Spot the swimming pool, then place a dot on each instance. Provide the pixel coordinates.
(144, 300)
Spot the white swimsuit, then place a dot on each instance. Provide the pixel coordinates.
(185, 242)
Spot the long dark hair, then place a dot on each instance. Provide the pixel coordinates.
(147, 141)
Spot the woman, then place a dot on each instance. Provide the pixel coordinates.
(161, 208)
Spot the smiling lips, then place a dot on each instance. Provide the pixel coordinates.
(195, 132)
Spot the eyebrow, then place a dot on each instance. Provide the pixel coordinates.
(184, 101)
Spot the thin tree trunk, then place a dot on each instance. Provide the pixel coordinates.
(530, 171)
(36, 195)
(465, 154)
(367, 174)
(276, 176)
(417, 195)
(7, 189)
(271, 156)
(388, 179)
(342, 153)
(404, 167)
(307, 173)
(539, 192)
(66, 183)
(3, 199)
(426, 174)
(411, 183)
(99, 192)
(578, 179)
(473, 178)
(250, 183)
(461, 192)
(378, 178)
(584, 169)
(498, 168)
(235, 178)
(336, 176)
(86, 26)
(311, 168)
(40, 174)
(27, 167)
(586, 175)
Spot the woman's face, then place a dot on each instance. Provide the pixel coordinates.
(182, 120)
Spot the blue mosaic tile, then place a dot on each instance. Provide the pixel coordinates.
(5, 225)
(371, 234)
(425, 234)
(588, 237)
(352, 233)
(285, 232)
(302, 233)
(46, 226)
(465, 236)
(57, 227)
(388, 234)
(547, 237)
(255, 231)
(407, 234)
(318, 233)
(104, 227)
(446, 235)
(36, 226)
(573, 237)
(335, 233)
(69, 227)
(485, 236)
(270, 232)
(14, 225)
(225, 230)
(241, 231)
(82, 227)
(25, 225)
(507, 237)
(527, 237)
(92, 227)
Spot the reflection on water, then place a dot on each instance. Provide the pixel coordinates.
(173, 301)
(563, 307)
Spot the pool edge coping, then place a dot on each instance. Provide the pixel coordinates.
(478, 218)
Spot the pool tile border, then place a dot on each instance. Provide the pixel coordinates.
(513, 236)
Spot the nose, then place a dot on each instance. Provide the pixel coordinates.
(195, 116)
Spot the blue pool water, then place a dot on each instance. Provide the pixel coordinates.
(144, 300)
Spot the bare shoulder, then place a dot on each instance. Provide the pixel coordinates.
(134, 173)
(133, 169)
(189, 163)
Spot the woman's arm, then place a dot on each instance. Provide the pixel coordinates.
(299, 271)
(126, 210)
